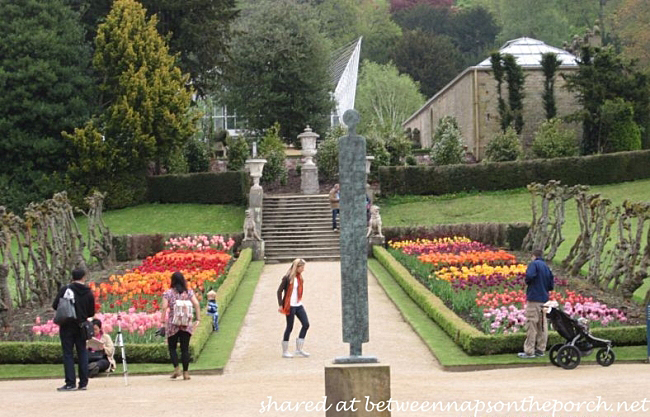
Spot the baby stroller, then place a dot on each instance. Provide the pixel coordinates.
(579, 342)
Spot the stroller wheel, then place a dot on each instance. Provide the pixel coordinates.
(605, 357)
(568, 357)
(552, 353)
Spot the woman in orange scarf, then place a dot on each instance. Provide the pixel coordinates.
(290, 302)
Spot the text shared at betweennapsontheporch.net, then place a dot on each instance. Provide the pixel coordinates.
(528, 406)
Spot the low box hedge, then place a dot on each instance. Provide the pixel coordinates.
(489, 176)
(50, 352)
(204, 188)
(469, 338)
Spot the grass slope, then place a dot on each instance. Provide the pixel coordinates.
(501, 207)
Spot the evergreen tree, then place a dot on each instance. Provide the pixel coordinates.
(429, 59)
(282, 66)
(145, 104)
(603, 75)
(45, 87)
(550, 63)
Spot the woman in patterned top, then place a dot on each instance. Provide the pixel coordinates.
(175, 334)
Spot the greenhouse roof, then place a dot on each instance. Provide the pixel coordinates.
(528, 53)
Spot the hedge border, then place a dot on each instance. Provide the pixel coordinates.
(205, 188)
(50, 352)
(489, 176)
(470, 339)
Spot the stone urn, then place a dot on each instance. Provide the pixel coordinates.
(309, 170)
(255, 167)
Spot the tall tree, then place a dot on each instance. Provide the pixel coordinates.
(385, 98)
(199, 31)
(473, 30)
(397, 5)
(282, 63)
(550, 63)
(631, 28)
(603, 75)
(346, 20)
(45, 87)
(146, 104)
(431, 60)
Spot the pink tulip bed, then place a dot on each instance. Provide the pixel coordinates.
(132, 299)
(486, 285)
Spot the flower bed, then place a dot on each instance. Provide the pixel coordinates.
(487, 286)
(133, 298)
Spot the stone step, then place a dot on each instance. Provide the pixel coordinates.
(315, 258)
(269, 217)
(302, 252)
(307, 240)
(295, 196)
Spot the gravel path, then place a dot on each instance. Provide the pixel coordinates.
(256, 372)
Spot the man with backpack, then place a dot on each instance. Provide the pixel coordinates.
(70, 330)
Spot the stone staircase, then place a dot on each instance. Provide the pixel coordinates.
(298, 226)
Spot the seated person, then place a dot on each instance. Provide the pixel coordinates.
(100, 351)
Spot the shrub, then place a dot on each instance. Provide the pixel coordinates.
(504, 147)
(197, 156)
(410, 160)
(554, 140)
(376, 147)
(447, 145)
(238, 153)
(621, 131)
(399, 147)
(272, 149)
(176, 162)
(327, 157)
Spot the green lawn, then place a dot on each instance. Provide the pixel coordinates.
(174, 218)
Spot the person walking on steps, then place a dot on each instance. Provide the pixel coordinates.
(539, 281)
(290, 302)
(334, 205)
(175, 333)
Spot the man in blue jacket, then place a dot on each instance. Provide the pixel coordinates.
(539, 281)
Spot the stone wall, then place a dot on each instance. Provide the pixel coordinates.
(479, 120)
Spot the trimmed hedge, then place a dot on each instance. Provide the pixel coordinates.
(508, 235)
(205, 188)
(50, 352)
(469, 338)
(489, 176)
(132, 247)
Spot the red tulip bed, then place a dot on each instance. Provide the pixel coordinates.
(487, 286)
(132, 299)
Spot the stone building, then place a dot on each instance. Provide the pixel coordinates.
(471, 98)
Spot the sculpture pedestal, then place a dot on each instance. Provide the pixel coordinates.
(375, 240)
(257, 246)
(255, 202)
(309, 179)
(357, 390)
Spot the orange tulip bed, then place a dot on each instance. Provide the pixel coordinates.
(134, 297)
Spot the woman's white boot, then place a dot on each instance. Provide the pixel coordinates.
(299, 351)
(285, 350)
